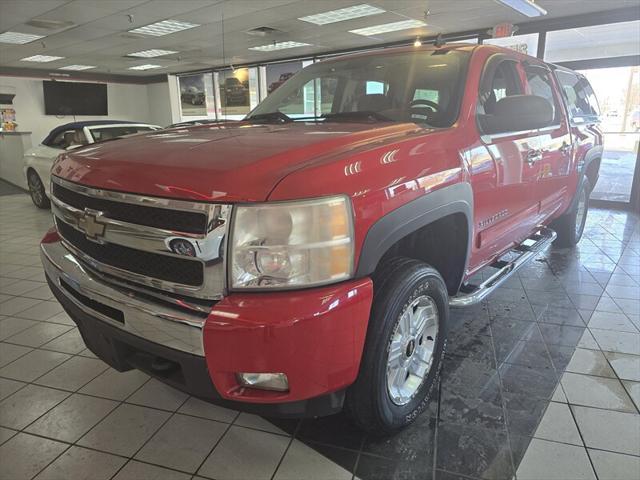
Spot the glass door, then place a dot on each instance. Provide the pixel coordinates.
(618, 92)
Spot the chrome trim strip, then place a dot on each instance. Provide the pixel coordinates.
(209, 247)
(542, 238)
(146, 319)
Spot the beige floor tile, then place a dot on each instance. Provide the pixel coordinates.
(26, 405)
(143, 471)
(609, 430)
(158, 395)
(9, 387)
(32, 365)
(115, 385)
(42, 311)
(8, 353)
(38, 334)
(627, 367)
(611, 341)
(182, 443)
(73, 374)
(245, 453)
(633, 389)
(70, 342)
(82, 464)
(596, 392)
(255, 421)
(615, 466)
(124, 430)
(589, 362)
(554, 461)
(6, 434)
(72, 418)
(557, 425)
(28, 454)
(302, 461)
(199, 408)
(612, 321)
(10, 326)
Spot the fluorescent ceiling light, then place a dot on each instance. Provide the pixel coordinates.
(348, 13)
(18, 38)
(40, 58)
(279, 46)
(164, 27)
(77, 67)
(151, 53)
(388, 27)
(526, 7)
(148, 66)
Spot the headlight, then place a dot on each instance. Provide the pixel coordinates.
(291, 244)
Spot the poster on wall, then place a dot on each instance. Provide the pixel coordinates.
(192, 95)
(234, 91)
(279, 73)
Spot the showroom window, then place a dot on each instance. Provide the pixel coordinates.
(520, 43)
(196, 96)
(599, 41)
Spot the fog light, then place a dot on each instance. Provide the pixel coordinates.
(264, 381)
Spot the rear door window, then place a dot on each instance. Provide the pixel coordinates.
(539, 83)
(581, 101)
(101, 134)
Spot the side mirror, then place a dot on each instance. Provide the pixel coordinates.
(518, 113)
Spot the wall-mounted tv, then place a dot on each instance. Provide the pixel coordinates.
(74, 98)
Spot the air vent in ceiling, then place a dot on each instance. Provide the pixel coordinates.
(50, 24)
(263, 31)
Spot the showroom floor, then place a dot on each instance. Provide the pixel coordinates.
(541, 382)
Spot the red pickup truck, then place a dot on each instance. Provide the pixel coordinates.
(305, 259)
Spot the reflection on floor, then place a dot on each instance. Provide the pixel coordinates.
(542, 382)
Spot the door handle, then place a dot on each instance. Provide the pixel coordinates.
(565, 149)
(534, 156)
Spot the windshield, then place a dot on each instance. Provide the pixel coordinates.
(421, 87)
(107, 133)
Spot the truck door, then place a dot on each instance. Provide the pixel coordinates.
(555, 150)
(506, 212)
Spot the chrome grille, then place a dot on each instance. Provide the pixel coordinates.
(130, 237)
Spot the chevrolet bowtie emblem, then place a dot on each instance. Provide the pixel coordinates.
(91, 226)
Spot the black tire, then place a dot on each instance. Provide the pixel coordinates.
(36, 190)
(369, 402)
(570, 226)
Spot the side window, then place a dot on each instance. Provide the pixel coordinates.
(539, 83)
(504, 81)
(67, 138)
(581, 101)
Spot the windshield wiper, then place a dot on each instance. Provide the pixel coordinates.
(270, 117)
(368, 115)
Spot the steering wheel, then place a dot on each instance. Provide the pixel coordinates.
(422, 104)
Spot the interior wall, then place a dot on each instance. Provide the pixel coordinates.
(142, 103)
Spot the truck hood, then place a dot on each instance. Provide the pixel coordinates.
(239, 162)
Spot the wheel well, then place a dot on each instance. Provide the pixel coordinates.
(591, 172)
(442, 244)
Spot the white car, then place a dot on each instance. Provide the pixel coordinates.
(39, 160)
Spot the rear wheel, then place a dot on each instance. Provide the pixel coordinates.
(36, 189)
(405, 343)
(570, 226)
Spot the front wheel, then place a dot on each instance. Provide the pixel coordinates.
(36, 190)
(570, 226)
(405, 343)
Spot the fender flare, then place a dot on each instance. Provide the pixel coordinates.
(412, 216)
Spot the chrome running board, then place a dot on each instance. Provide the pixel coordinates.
(472, 294)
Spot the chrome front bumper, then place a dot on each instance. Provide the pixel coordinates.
(156, 321)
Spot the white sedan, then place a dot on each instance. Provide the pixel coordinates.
(39, 160)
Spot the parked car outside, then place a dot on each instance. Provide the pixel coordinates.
(235, 92)
(38, 160)
(336, 241)
(193, 96)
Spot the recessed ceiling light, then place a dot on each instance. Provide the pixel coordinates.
(151, 53)
(77, 67)
(388, 27)
(279, 46)
(342, 14)
(145, 67)
(526, 7)
(164, 27)
(18, 38)
(40, 58)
